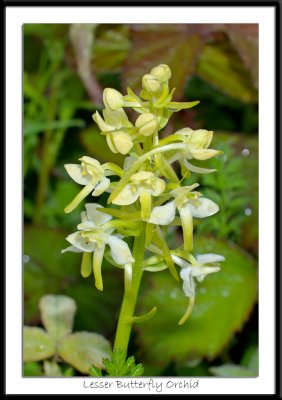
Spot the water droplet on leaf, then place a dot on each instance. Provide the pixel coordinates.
(26, 258)
(245, 152)
(173, 293)
(248, 211)
(203, 290)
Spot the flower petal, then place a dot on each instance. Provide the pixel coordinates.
(122, 142)
(71, 249)
(104, 127)
(117, 118)
(141, 176)
(99, 218)
(159, 187)
(86, 226)
(79, 242)
(120, 251)
(109, 139)
(188, 282)
(200, 139)
(75, 172)
(206, 208)
(126, 196)
(204, 154)
(163, 215)
(209, 258)
(101, 187)
(201, 272)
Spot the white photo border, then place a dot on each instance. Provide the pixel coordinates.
(16, 16)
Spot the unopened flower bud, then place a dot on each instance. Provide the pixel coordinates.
(151, 83)
(147, 124)
(119, 142)
(162, 72)
(113, 99)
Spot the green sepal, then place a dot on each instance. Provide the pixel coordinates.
(177, 106)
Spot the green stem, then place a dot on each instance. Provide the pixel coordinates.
(129, 298)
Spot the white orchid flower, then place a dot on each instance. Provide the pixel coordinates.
(189, 204)
(198, 269)
(142, 185)
(94, 233)
(197, 142)
(115, 125)
(92, 175)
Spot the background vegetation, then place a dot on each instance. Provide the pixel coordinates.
(66, 68)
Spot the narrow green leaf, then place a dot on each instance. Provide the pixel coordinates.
(35, 128)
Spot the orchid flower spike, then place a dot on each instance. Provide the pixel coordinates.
(94, 233)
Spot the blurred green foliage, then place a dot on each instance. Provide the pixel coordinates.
(66, 68)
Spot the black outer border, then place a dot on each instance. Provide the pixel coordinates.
(278, 150)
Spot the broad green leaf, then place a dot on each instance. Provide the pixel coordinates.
(177, 48)
(37, 344)
(223, 302)
(221, 66)
(57, 315)
(83, 349)
(232, 371)
(47, 270)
